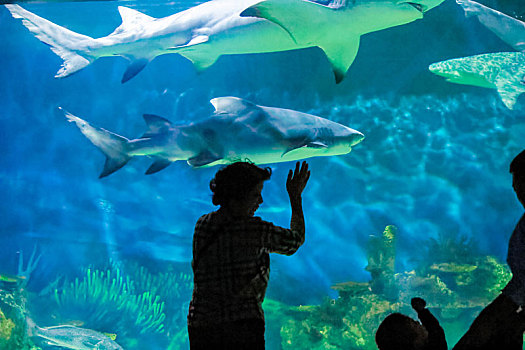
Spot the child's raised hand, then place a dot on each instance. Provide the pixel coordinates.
(296, 181)
(418, 304)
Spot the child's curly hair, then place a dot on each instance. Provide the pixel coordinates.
(235, 180)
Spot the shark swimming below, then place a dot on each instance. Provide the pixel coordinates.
(237, 130)
(503, 71)
(214, 28)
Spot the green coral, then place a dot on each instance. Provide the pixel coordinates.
(13, 329)
(106, 300)
(129, 300)
(454, 278)
(6, 329)
(174, 287)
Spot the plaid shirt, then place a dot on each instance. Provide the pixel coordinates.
(231, 266)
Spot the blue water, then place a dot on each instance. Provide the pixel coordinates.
(434, 162)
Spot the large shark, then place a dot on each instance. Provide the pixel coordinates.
(507, 28)
(237, 130)
(503, 71)
(209, 30)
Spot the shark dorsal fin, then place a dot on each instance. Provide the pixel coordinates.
(231, 105)
(131, 19)
(156, 125)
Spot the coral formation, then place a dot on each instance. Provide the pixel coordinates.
(13, 328)
(455, 279)
(101, 298)
(13, 297)
(129, 300)
(6, 329)
(381, 263)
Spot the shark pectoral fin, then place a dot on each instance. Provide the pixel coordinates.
(156, 125)
(341, 55)
(134, 68)
(291, 149)
(316, 144)
(508, 94)
(200, 61)
(198, 39)
(297, 18)
(203, 159)
(312, 144)
(260, 11)
(158, 165)
(200, 58)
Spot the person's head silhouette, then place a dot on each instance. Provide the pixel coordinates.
(237, 188)
(398, 331)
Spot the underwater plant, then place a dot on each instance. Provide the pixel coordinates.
(173, 287)
(107, 301)
(450, 248)
(129, 300)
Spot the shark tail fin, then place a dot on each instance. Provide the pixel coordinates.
(32, 328)
(63, 42)
(114, 147)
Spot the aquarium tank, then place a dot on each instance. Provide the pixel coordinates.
(422, 206)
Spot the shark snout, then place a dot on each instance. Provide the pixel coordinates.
(434, 68)
(355, 138)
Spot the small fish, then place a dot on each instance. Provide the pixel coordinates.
(72, 337)
(10, 278)
(11, 282)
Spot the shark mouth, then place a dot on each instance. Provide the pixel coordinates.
(418, 7)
